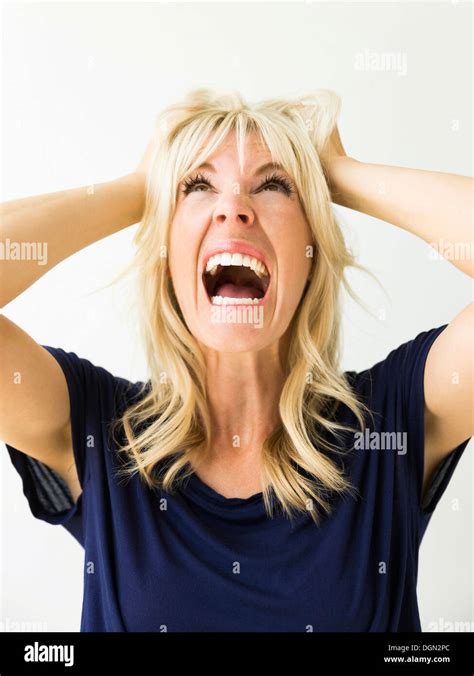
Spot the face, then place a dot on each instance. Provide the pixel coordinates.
(238, 249)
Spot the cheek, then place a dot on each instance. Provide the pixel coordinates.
(295, 249)
(186, 232)
(182, 258)
(293, 274)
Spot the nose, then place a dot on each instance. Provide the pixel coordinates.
(233, 210)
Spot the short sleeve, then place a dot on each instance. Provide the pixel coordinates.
(406, 367)
(96, 397)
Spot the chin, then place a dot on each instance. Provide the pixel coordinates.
(234, 338)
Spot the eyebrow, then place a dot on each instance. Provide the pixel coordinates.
(275, 166)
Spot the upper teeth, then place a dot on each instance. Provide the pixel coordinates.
(236, 259)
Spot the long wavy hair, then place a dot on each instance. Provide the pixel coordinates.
(166, 428)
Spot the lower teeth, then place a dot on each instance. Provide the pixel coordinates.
(225, 300)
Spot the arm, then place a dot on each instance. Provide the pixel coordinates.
(35, 415)
(65, 222)
(436, 207)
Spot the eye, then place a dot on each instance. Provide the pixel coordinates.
(191, 184)
(282, 183)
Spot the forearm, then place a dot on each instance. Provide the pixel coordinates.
(434, 206)
(62, 223)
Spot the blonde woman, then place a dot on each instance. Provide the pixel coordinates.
(248, 484)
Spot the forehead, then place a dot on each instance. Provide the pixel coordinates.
(255, 152)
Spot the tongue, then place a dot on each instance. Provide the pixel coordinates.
(229, 290)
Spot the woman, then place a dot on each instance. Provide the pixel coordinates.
(248, 485)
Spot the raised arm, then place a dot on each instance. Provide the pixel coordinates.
(62, 223)
(35, 413)
(437, 207)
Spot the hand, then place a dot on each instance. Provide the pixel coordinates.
(334, 160)
(333, 150)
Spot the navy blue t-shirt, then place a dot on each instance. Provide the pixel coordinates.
(197, 561)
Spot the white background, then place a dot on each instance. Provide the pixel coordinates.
(82, 84)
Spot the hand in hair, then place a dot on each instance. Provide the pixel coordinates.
(331, 153)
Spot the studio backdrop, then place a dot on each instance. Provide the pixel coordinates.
(81, 86)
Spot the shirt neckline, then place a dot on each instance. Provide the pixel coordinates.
(198, 486)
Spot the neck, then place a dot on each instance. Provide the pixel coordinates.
(243, 392)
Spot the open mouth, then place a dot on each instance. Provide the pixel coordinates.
(235, 279)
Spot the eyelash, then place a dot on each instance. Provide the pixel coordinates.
(284, 183)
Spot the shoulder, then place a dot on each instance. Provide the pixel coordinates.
(88, 380)
(399, 368)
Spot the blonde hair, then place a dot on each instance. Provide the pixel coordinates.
(168, 426)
